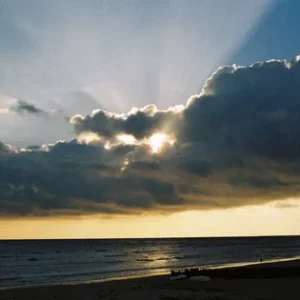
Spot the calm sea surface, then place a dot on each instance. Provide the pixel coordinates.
(64, 261)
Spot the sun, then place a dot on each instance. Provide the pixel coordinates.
(157, 140)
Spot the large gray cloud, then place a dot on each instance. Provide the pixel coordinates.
(140, 122)
(77, 178)
(237, 143)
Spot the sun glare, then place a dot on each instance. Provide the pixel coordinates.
(88, 137)
(157, 140)
(126, 139)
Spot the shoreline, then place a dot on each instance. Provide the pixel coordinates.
(212, 267)
(121, 281)
(271, 262)
(161, 288)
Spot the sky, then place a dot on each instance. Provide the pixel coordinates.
(131, 119)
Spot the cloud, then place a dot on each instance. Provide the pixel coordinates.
(26, 107)
(5, 149)
(4, 110)
(236, 143)
(77, 178)
(23, 123)
(139, 123)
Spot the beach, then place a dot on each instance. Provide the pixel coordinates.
(161, 287)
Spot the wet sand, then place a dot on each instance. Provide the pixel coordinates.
(160, 287)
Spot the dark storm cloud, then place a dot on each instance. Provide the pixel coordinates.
(74, 178)
(26, 107)
(237, 143)
(254, 110)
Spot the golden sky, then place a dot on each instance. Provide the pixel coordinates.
(269, 219)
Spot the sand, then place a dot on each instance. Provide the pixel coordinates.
(160, 287)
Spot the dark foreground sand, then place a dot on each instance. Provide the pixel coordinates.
(160, 287)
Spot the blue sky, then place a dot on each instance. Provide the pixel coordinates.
(276, 37)
(69, 57)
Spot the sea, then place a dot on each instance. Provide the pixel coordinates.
(46, 262)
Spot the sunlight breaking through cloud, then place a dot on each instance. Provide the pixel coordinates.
(126, 139)
(150, 53)
(157, 141)
(233, 144)
(88, 137)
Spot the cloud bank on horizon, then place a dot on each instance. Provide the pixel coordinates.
(236, 143)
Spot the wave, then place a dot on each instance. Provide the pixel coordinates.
(115, 262)
(115, 255)
(170, 258)
(9, 278)
(32, 259)
(42, 264)
(145, 259)
(6, 256)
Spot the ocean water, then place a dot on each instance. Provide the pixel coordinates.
(35, 262)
